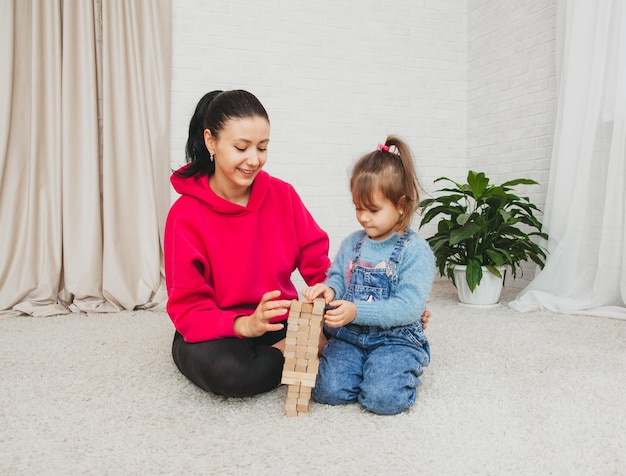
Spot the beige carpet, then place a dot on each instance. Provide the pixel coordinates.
(506, 393)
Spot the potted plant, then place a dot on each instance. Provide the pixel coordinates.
(484, 229)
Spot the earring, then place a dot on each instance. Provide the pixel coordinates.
(211, 156)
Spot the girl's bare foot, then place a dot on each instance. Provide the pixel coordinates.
(322, 344)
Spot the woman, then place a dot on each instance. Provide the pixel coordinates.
(232, 241)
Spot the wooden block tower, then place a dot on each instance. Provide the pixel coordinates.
(304, 326)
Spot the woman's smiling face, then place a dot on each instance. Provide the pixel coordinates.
(240, 152)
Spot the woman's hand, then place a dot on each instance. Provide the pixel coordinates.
(344, 313)
(258, 323)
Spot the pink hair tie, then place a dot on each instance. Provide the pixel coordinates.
(382, 147)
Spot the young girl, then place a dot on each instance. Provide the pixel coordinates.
(379, 285)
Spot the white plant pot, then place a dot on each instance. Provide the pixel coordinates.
(486, 293)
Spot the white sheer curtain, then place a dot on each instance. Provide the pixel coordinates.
(586, 203)
(84, 166)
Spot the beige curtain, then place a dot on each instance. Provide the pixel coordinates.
(84, 154)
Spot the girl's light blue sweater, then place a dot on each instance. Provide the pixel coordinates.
(415, 272)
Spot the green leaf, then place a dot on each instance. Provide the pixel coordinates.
(495, 271)
(477, 182)
(473, 274)
(512, 183)
(497, 258)
(456, 236)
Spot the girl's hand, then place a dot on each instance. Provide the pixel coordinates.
(319, 289)
(425, 319)
(343, 314)
(258, 323)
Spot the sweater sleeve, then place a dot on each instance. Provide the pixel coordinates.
(338, 271)
(415, 278)
(191, 299)
(313, 261)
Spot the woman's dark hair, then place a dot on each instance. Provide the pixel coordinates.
(392, 174)
(213, 111)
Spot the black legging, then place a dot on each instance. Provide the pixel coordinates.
(231, 366)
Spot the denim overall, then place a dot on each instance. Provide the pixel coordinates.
(378, 367)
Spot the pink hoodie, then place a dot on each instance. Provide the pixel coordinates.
(220, 258)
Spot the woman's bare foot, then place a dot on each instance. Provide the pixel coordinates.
(280, 345)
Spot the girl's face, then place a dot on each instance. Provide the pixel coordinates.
(240, 153)
(380, 219)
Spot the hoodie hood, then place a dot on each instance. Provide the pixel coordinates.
(198, 187)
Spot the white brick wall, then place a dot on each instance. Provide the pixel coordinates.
(511, 94)
(337, 76)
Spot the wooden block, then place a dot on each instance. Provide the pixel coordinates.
(308, 383)
(316, 320)
(304, 326)
(290, 380)
(313, 342)
(318, 307)
(298, 381)
(299, 375)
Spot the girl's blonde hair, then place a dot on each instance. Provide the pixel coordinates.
(391, 171)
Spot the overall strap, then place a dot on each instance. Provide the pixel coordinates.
(357, 248)
(396, 254)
